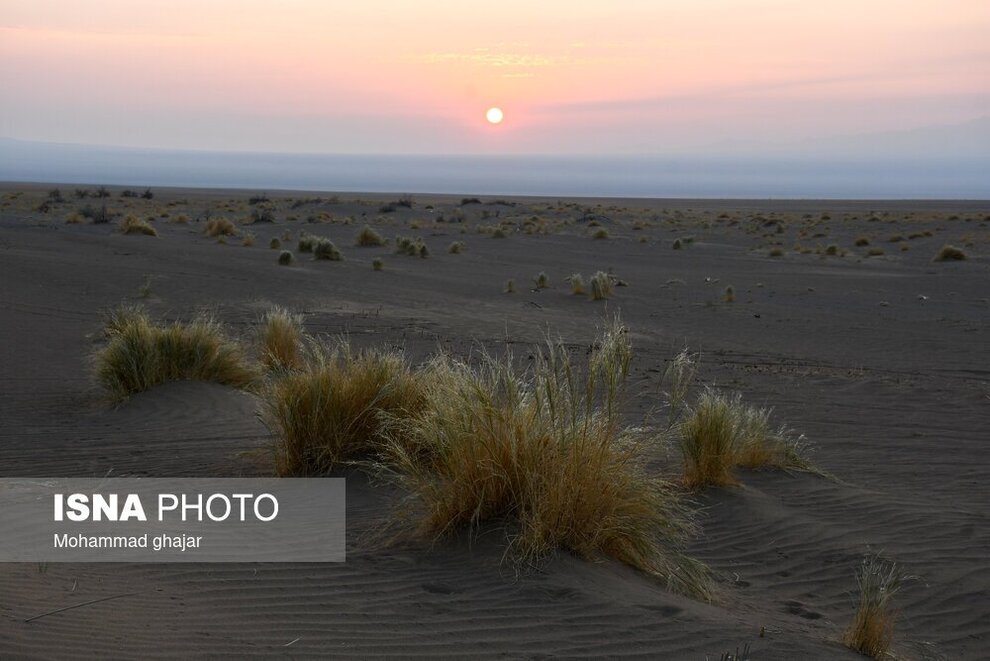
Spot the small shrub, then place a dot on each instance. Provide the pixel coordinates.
(872, 629)
(456, 248)
(601, 234)
(377, 264)
(949, 253)
(542, 280)
(510, 286)
(832, 249)
(131, 224)
(577, 284)
(274, 244)
(729, 296)
(677, 245)
(601, 286)
(140, 354)
(499, 233)
(147, 194)
(776, 252)
(281, 338)
(368, 238)
(324, 248)
(285, 258)
(248, 239)
(874, 252)
(862, 241)
(219, 227)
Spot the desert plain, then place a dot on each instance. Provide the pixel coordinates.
(833, 313)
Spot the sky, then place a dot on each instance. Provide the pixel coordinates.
(572, 77)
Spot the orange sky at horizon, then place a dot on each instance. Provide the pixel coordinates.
(417, 77)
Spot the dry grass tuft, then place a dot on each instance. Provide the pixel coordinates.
(140, 354)
(369, 238)
(577, 284)
(601, 286)
(281, 337)
(544, 454)
(131, 224)
(216, 227)
(872, 629)
(949, 253)
(720, 432)
(331, 410)
(324, 248)
(285, 258)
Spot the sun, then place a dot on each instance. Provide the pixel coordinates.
(494, 115)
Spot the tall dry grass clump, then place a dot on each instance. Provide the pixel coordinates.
(872, 629)
(544, 453)
(949, 253)
(216, 227)
(368, 238)
(141, 354)
(601, 286)
(281, 338)
(324, 248)
(331, 410)
(131, 224)
(720, 432)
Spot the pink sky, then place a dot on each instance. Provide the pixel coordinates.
(623, 76)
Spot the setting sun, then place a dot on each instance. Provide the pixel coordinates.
(494, 115)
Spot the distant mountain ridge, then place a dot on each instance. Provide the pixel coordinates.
(899, 165)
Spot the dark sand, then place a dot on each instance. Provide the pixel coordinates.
(883, 362)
